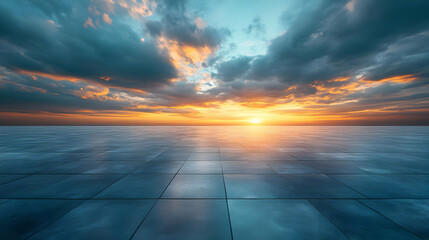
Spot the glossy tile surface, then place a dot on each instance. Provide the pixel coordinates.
(196, 186)
(186, 219)
(279, 219)
(214, 182)
(101, 219)
(359, 222)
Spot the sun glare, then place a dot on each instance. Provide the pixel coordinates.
(255, 120)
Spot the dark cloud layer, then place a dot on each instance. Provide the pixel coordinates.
(233, 69)
(178, 24)
(333, 56)
(331, 39)
(50, 37)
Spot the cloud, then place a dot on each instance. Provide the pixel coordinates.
(233, 69)
(89, 23)
(362, 39)
(116, 51)
(333, 57)
(256, 27)
(187, 39)
(337, 42)
(107, 19)
(24, 94)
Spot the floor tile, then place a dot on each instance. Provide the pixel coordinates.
(285, 186)
(172, 156)
(372, 167)
(99, 219)
(279, 219)
(388, 186)
(22, 218)
(273, 156)
(166, 167)
(212, 150)
(9, 178)
(119, 156)
(270, 174)
(196, 186)
(246, 167)
(237, 156)
(8, 166)
(57, 186)
(359, 222)
(412, 214)
(186, 219)
(201, 167)
(292, 167)
(138, 186)
(204, 156)
(112, 167)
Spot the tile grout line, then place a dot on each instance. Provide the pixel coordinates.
(156, 201)
(77, 205)
(346, 186)
(390, 220)
(83, 201)
(49, 224)
(317, 209)
(226, 198)
(23, 176)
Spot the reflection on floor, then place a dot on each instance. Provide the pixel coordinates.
(214, 183)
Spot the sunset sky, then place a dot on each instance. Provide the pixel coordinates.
(223, 62)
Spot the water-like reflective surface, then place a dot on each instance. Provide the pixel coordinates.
(214, 182)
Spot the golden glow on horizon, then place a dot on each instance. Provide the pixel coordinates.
(327, 105)
(255, 121)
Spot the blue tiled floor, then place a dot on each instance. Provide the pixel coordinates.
(214, 183)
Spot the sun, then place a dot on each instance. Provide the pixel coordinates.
(255, 121)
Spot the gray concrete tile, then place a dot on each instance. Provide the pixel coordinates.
(412, 214)
(99, 219)
(172, 156)
(201, 167)
(388, 186)
(22, 218)
(359, 222)
(57, 186)
(186, 219)
(292, 167)
(137, 186)
(246, 167)
(204, 156)
(279, 219)
(286, 186)
(196, 186)
(9, 178)
(165, 167)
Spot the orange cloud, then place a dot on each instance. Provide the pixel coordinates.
(89, 23)
(137, 9)
(91, 91)
(187, 59)
(398, 79)
(51, 76)
(107, 19)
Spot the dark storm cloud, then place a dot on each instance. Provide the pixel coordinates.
(25, 94)
(22, 94)
(232, 69)
(327, 39)
(178, 24)
(50, 37)
(336, 41)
